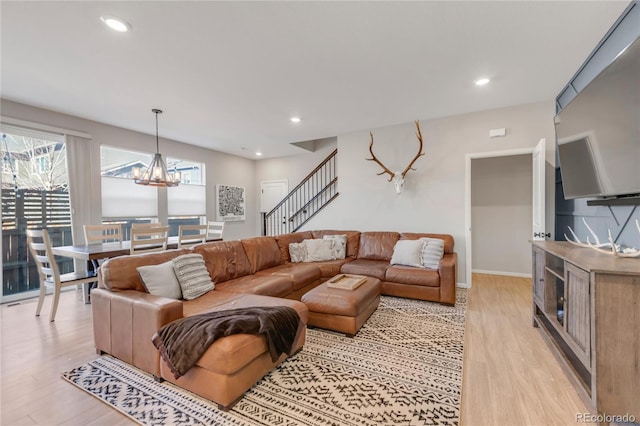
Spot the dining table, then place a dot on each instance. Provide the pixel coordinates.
(106, 250)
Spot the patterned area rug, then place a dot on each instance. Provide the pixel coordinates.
(403, 367)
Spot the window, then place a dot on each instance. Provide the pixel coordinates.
(118, 162)
(187, 204)
(121, 198)
(192, 173)
(35, 194)
(124, 202)
(42, 164)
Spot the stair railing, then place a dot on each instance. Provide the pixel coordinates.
(310, 196)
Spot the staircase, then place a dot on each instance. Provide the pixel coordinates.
(317, 190)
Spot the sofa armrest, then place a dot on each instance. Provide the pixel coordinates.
(447, 272)
(124, 323)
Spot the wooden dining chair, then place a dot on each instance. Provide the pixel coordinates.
(145, 224)
(48, 271)
(109, 233)
(149, 239)
(215, 230)
(102, 233)
(189, 235)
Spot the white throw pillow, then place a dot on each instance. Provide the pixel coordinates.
(192, 275)
(297, 252)
(340, 247)
(408, 252)
(432, 252)
(160, 280)
(319, 250)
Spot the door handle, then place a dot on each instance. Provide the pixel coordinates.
(542, 235)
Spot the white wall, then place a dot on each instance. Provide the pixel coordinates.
(220, 168)
(433, 195)
(296, 167)
(501, 214)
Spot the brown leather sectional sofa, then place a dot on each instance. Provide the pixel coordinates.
(250, 272)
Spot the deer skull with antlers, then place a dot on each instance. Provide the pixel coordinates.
(397, 177)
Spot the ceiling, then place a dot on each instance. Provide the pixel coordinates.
(229, 75)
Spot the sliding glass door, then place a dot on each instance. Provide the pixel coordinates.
(35, 194)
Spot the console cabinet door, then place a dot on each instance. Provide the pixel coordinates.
(538, 276)
(578, 312)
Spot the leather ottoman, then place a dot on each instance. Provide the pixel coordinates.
(342, 310)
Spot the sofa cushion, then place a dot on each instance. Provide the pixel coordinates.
(192, 275)
(331, 268)
(340, 246)
(413, 276)
(266, 285)
(232, 353)
(285, 239)
(210, 301)
(160, 280)
(408, 253)
(353, 239)
(262, 252)
(377, 245)
(300, 275)
(448, 239)
(225, 260)
(370, 268)
(120, 273)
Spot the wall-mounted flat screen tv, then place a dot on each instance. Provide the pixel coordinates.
(598, 133)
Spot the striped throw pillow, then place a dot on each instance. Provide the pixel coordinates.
(432, 252)
(192, 275)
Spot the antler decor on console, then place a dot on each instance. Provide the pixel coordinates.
(397, 177)
(609, 248)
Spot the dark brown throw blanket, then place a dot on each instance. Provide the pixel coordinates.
(182, 342)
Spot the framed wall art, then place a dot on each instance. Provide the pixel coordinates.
(230, 203)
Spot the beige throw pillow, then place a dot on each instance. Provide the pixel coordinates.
(160, 280)
(340, 246)
(432, 252)
(192, 275)
(408, 253)
(319, 250)
(297, 252)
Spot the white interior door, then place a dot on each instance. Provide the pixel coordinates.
(538, 215)
(271, 193)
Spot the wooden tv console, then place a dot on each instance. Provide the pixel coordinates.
(588, 304)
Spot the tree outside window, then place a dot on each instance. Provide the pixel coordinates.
(37, 164)
(35, 194)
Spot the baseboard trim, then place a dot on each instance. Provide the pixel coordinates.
(507, 274)
(463, 285)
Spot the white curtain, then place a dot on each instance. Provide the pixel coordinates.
(83, 195)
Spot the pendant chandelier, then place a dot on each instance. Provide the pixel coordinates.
(156, 174)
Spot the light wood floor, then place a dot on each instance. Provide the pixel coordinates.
(510, 375)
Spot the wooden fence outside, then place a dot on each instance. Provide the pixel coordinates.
(31, 209)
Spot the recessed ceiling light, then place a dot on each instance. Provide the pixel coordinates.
(482, 81)
(115, 24)
(258, 153)
(295, 119)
